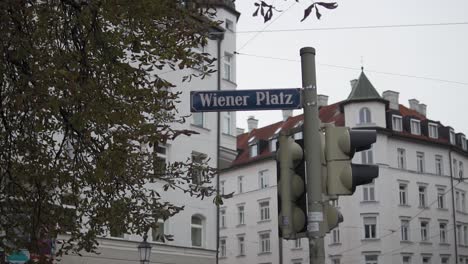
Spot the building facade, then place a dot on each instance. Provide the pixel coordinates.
(194, 229)
(414, 212)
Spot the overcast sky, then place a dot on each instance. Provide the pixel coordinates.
(438, 52)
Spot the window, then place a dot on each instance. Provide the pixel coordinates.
(240, 184)
(424, 230)
(263, 179)
(228, 66)
(455, 168)
(197, 172)
(117, 229)
(403, 194)
(401, 158)
(457, 201)
(443, 232)
(297, 243)
(440, 198)
(438, 165)
(365, 116)
(229, 25)
(222, 216)
(227, 128)
(158, 232)
(463, 142)
(336, 261)
(460, 169)
(241, 245)
(368, 192)
(452, 137)
(221, 186)
(273, 142)
(422, 196)
(406, 260)
(420, 162)
(397, 123)
(222, 247)
(335, 236)
(253, 150)
(264, 242)
(415, 127)
(444, 260)
(198, 119)
(264, 210)
(371, 259)
(160, 159)
(367, 157)
(459, 234)
(433, 130)
(465, 235)
(197, 231)
(241, 214)
(426, 260)
(405, 230)
(463, 202)
(297, 135)
(370, 227)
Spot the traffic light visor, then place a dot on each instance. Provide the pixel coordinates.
(362, 139)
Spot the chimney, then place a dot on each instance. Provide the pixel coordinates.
(240, 131)
(252, 123)
(353, 83)
(287, 113)
(414, 104)
(422, 109)
(392, 97)
(322, 100)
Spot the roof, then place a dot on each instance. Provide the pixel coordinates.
(363, 90)
(328, 114)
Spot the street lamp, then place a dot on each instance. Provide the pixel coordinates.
(144, 249)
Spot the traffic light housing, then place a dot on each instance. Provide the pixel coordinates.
(292, 202)
(341, 143)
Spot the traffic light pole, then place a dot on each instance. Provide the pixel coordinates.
(312, 146)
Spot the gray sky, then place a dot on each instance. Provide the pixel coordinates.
(439, 52)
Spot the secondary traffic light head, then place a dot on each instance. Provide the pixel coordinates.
(340, 145)
(291, 186)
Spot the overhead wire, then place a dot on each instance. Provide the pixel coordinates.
(356, 68)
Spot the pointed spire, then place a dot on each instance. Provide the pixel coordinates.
(363, 89)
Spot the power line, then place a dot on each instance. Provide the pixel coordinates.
(264, 28)
(355, 68)
(352, 27)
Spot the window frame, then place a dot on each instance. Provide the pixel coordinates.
(198, 119)
(420, 163)
(228, 66)
(403, 194)
(264, 242)
(424, 230)
(263, 179)
(405, 230)
(396, 119)
(370, 229)
(241, 214)
(439, 165)
(415, 126)
(422, 196)
(401, 158)
(199, 227)
(264, 210)
(433, 130)
(240, 184)
(441, 203)
(365, 116)
(443, 232)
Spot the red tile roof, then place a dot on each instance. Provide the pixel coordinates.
(328, 114)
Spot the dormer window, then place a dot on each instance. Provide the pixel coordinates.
(397, 123)
(415, 127)
(452, 137)
(253, 150)
(298, 135)
(463, 143)
(433, 130)
(365, 116)
(273, 144)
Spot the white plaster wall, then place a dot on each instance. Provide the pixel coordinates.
(377, 109)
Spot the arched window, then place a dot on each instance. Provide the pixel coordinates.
(365, 116)
(197, 231)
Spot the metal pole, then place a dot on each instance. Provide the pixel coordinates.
(312, 143)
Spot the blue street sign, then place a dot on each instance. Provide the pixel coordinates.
(245, 100)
